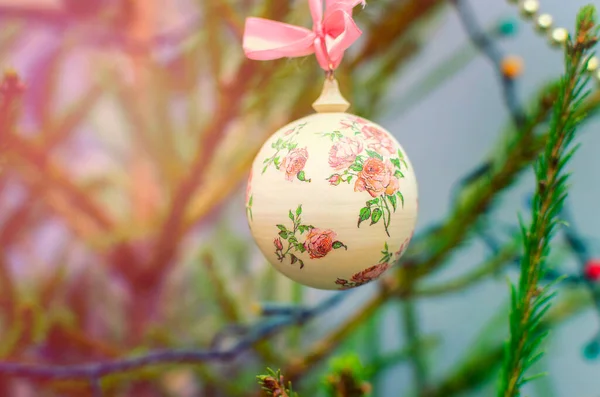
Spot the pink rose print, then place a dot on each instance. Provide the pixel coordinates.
(377, 177)
(335, 179)
(319, 242)
(363, 277)
(278, 244)
(381, 141)
(344, 152)
(404, 245)
(353, 122)
(294, 162)
(393, 186)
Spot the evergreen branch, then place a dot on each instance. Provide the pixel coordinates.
(274, 384)
(326, 346)
(503, 256)
(481, 187)
(477, 368)
(93, 372)
(529, 301)
(348, 378)
(412, 336)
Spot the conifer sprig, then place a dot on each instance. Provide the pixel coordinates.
(529, 301)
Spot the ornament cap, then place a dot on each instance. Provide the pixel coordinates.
(331, 100)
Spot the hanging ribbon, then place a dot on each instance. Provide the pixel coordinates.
(333, 32)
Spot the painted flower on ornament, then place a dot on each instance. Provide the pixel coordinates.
(377, 178)
(353, 122)
(363, 277)
(278, 244)
(404, 246)
(380, 140)
(344, 152)
(335, 179)
(294, 163)
(319, 242)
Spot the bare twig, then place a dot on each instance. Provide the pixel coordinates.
(99, 370)
(484, 42)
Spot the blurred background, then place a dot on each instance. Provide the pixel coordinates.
(124, 155)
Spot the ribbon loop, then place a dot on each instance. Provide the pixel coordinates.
(333, 32)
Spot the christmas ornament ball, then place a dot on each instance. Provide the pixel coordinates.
(331, 198)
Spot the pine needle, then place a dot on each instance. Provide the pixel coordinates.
(529, 301)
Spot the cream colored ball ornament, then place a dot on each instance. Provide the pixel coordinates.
(332, 197)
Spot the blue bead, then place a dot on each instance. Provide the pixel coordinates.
(507, 27)
(592, 350)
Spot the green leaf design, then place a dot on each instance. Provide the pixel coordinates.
(396, 162)
(293, 258)
(302, 229)
(398, 174)
(301, 176)
(266, 161)
(299, 210)
(282, 228)
(394, 201)
(276, 162)
(373, 154)
(376, 216)
(365, 213)
(292, 239)
(356, 167)
(400, 154)
(283, 235)
(349, 179)
(291, 215)
(338, 245)
(373, 202)
(250, 200)
(401, 197)
(359, 160)
(300, 247)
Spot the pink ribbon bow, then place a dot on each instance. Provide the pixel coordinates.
(333, 32)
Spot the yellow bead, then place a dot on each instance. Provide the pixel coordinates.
(559, 36)
(593, 64)
(544, 22)
(529, 7)
(512, 66)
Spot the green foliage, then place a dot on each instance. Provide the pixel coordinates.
(274, 384)
(180, 142)
(529, 301)
(347, 377)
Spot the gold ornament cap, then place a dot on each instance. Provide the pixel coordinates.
(331, 100)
